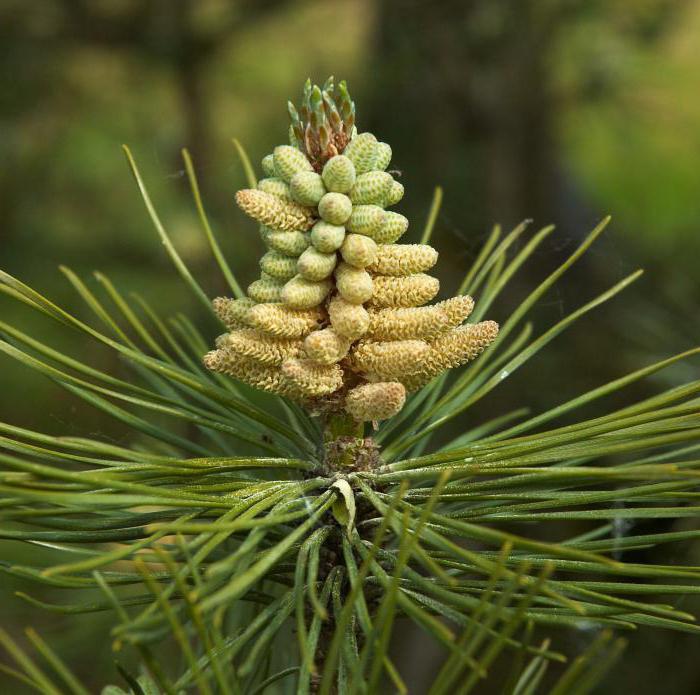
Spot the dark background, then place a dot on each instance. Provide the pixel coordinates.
(556, 110)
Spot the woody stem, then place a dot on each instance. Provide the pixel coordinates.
(339, 433)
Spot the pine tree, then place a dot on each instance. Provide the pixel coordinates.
(278, 548)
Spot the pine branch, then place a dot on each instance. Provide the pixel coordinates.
(232, 517)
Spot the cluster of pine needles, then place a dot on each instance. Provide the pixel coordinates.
(270, 572)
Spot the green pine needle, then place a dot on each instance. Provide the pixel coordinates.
(213, 526)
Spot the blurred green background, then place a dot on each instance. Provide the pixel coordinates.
(556, 110)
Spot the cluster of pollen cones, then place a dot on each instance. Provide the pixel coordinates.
(337, 316)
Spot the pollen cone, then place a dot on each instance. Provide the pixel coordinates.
(340, 317)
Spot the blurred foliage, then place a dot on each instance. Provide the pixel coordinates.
(556, 109)
(630, 144)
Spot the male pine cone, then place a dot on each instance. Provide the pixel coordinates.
(338, 313)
